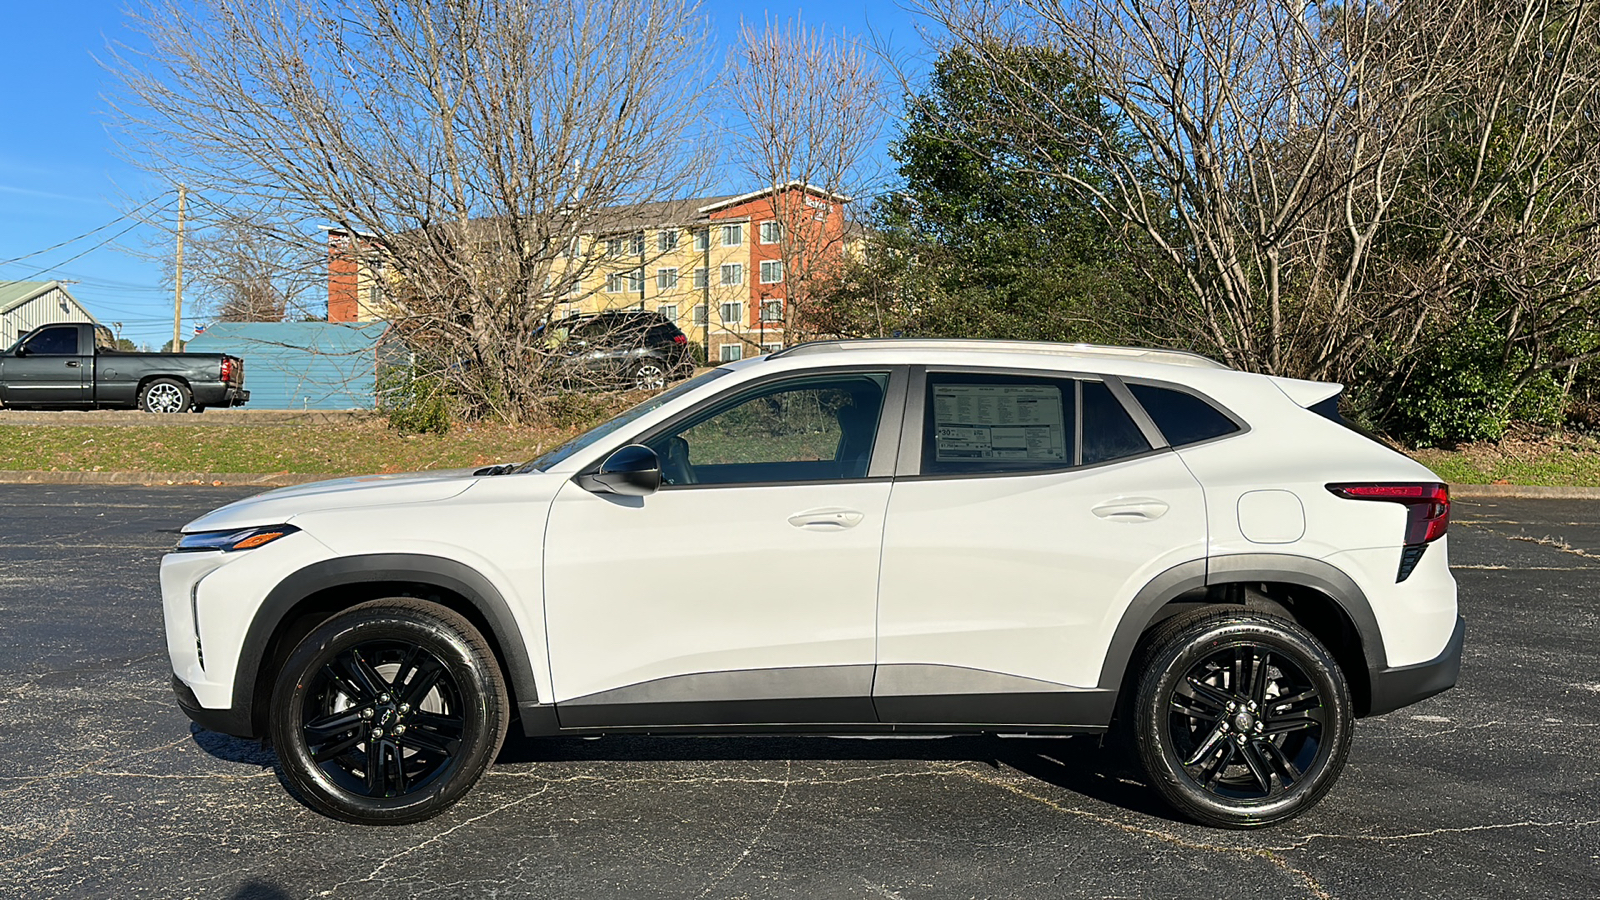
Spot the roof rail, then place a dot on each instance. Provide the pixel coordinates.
(1090, 351)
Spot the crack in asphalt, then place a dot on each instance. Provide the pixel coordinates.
(1314, 888)
(384, 863)
(761, 832)
(1434, 832)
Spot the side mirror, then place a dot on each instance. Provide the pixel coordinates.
(22, 350)
(632, 471)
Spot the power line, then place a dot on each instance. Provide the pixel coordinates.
(90, 233)
(37, 273)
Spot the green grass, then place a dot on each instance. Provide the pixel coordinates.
(353, 449)
(369, 447)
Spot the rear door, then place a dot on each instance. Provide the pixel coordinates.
(1028, 510)
(51, 369)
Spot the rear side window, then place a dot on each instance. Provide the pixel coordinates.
(1183, 418)
(977, 424)
(1108, 431)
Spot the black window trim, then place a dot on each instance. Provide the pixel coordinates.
(1241, 425)
(885, 450)
(909, 465)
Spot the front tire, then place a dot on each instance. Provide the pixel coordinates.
(388, 713)
(165, 395)
(1241, 720)
(649, 375)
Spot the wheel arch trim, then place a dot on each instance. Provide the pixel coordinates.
(438, 571)
(1244, 567)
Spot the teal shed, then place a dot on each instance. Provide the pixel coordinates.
(301, 365)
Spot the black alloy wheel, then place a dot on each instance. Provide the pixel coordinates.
(1243, 720)
(389, 712)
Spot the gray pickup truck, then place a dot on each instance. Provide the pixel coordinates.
(77, 365)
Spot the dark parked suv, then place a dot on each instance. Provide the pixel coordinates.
(638, 349)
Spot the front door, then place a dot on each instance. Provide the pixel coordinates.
(744, 590)
(1016, 537)
(48, 370)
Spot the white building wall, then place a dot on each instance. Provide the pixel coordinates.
(54, 305)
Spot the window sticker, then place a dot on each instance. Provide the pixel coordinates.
(998, 421)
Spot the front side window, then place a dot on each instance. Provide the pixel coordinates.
(54, 342)
(817, 428)
(976, 424)
(1182, 417)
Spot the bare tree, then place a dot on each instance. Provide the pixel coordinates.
(810, 117)
(469, 143)
(244, 270)
(1268, 149)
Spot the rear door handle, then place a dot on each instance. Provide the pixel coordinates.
(828, 518)
(1131, 509)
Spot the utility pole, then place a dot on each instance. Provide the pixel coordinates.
(177, 295)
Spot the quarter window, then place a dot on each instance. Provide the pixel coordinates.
(1182, 417)
(819, 428)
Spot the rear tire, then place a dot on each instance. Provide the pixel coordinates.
(649, 375)
(388, 713)
(165, 395)
(1241, 720)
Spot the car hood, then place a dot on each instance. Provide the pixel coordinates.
(282, 505)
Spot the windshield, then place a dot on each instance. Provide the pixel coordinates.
(610, 425)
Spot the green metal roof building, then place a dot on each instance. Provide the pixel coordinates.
(25, 305)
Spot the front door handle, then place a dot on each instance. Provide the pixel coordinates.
(72, 364)
(1131, 509)
(827, 519)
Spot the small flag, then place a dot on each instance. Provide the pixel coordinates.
(199, 330)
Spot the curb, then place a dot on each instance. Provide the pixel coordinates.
(211, 417)
(208, 479)
(285, 479)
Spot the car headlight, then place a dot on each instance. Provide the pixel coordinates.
(235, 539)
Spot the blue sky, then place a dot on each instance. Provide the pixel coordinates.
(61, 176)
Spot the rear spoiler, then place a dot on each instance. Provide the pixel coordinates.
(1321, 397)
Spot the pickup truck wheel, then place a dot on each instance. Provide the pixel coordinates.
(388, 713)
(165, 395)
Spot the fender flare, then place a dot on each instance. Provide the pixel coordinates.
(439, 571)
(1242, 567)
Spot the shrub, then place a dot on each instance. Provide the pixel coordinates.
(1466, 390)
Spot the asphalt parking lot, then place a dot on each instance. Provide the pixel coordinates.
(1492, 789)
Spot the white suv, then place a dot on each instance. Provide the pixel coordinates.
(859, 537)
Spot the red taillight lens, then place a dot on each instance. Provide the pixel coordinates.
(227, 368)
(1427, 505)
(680, 339)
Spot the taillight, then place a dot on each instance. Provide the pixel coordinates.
(227, 368)
(1427, 513)
(680, 338)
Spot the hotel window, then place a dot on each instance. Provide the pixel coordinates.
(733, 273)
(700, 315)
(668, 311)
(667, 240)
(732, 352)
(666, 279)
(702, 238)
(732, 235)
(733, 312)
(771, 271)
(771, 232)
(772, 311)
(629, 282)
(699, 279)
(771, 347)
